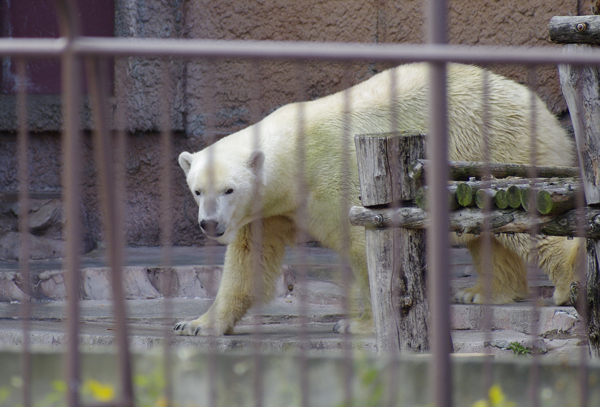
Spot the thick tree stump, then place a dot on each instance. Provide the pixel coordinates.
(581, 87)
(395, 257)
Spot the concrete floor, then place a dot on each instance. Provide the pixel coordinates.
(282, 324)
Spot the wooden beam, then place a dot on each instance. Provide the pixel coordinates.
(581, 88)
(470, 220)
(575, 29)
(465, 170)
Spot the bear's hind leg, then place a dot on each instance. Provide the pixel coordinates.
(560, 258)
(358, 261)
(508, 274)
(252, 265)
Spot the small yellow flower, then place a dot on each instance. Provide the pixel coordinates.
(99, 391)
(496, 396)
(481, 403)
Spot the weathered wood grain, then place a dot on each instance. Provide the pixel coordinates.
(465, 170)
(395, 257)
(575, 29)
(581, 88)
(470, 220)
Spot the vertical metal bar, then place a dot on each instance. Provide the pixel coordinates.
(71, 179)
(257, 236)
(210, 138)
(486, 241)
(300, 250)
(393, 364)
(24, 270)
(166, 222)
(534, 234)
(71, 190)
(437, 238)
(345, 236)
(97, 76)
(581, 303)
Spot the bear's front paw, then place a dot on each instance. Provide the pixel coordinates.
(468, 296)
(197, 327)
(354, 326)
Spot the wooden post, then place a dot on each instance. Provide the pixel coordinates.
(395, 257)
(581, 87)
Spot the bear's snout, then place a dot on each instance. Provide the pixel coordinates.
(210, 228)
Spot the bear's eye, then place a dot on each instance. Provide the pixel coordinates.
(229, 191)
(197, 192)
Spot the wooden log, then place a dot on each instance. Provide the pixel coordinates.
(575, 29)
(465, 170)
(553, 201)
(381, 180)
(501, 199)
(525, 198)
(465, 194)
(395, 258)
(513, 196)
(421, 198)
(581, 88)
(480, 197)
(470, 220)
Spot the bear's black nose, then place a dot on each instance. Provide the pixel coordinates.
(210, 227)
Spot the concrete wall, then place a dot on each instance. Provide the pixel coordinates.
(210, 99)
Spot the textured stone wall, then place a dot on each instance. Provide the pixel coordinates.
(210, 99)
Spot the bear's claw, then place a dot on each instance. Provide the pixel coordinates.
(342, 326)
(467, 296)
(181, 327)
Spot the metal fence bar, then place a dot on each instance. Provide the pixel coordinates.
(24, 205)
(533, 263)
(300, 252)
(486, 243)
(258, 237)
(345, 241)
(168, 278)
(97, 76)
(71, 179)
(438, 243)
(323, 51)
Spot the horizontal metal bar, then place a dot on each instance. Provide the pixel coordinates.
(32, 47)
(155, 47)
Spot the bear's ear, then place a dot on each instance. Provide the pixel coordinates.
(185, 161)
(256, 160)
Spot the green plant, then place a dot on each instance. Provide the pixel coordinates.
(520, 349)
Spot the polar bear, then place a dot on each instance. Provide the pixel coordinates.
(250, 195)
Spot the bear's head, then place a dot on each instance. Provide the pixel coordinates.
(224, 185)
